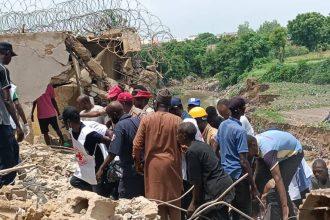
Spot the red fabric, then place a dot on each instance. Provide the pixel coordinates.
(45, 106)
(114, 92)
(143, 94)
(125, 97)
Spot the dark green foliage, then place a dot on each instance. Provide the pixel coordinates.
(309, 29)
(231, 57)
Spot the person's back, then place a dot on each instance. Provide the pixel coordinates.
(231, 136)
(161, 132)
(45, 107)
(214, 178)
(284, 143)
(128, 127)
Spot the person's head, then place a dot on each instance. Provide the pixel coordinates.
(253, 146)
(114, 92)
(84, 103)
(200, 115)
(193, 102)
(223, 108)
(71, 118)
(6, 52)
(163, 100)
(126, 99)
(176, 106)
(141, 98)
(211, 114)
(237, 107)
(115, 110)
(320, 170)
(186, 133)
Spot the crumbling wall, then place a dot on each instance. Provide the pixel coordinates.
(41, 56)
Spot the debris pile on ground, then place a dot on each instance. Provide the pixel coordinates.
(316, 206)
(44, 192)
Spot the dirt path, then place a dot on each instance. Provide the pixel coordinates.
(306, 116)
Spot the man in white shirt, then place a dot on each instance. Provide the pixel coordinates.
(85, 105)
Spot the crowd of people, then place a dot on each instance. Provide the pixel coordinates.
(144, 144)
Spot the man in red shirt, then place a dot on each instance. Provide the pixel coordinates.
(47, 113)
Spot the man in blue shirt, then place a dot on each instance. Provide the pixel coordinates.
(131, 183)
(280, 155)
(234, 151)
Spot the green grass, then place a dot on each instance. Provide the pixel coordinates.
(294, 96)
(270, 115)
(309, 57)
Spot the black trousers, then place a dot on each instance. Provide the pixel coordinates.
(288, 168)
(185, 201)
(242, 200)
(9, 153)
(101, 189)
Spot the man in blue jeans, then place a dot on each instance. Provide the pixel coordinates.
(9, 151)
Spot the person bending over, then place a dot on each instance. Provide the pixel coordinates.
(204, 173)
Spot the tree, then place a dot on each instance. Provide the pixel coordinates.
(244, 29)
(268, 27)
(277, 39)
(307, 29)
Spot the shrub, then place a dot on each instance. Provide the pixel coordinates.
(294, 50)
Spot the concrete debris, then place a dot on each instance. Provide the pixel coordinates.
(44, 192)
(316, 206)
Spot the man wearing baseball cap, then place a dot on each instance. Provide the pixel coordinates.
(9, 150)
(193, 102)
(209, 133)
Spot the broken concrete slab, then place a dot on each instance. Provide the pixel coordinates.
(316, 206)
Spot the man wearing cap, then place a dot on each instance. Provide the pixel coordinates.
(141, 100)
(9, 149)
(193, 102)
(209, 133)
(126, 99)
(157, 139)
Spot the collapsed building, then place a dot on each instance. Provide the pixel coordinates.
(76, 64)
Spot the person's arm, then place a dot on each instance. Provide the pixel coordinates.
(242, 149)
(20, 111)
(55, 106)
(92, 114)
(197, 195)
(104, 165)
(276, 173)
(138, 146)
(34, 104)
(247, 169)
(11, 110)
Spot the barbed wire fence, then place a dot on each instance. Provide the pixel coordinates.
(82, 17)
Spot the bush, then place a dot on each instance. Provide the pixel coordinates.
(294, 50)
(303, 72)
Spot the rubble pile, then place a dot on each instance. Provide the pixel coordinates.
(44, 192)
(316, 206)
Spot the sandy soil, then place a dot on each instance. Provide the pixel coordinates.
(306, 116)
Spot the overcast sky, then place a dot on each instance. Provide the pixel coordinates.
(190, 17)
